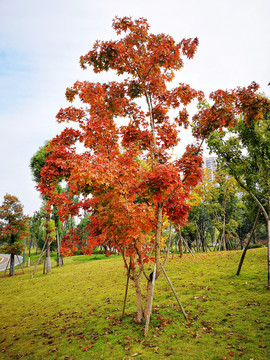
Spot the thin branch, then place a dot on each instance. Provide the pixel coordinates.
(169, 245)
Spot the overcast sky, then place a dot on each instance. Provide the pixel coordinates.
(41, 42)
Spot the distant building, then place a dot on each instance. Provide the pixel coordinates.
(210, 163)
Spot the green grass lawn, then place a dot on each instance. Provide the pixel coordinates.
(74, 312)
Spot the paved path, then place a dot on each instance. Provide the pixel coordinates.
(4, 260)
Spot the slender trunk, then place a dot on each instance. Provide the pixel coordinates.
(29, 252)
(12, 265)
(241, 243)
(175, 247)
(214, 241)
(168, 245)
(48, 258)
(248, 242)
(187, 246)
(151, 119)
(223, 233)
(197, 240)
(217, 245)
(136, 279)
(180, 243)
(268, 253)
(149, 300)
(158, 239)
(59, 258)
(41, 254)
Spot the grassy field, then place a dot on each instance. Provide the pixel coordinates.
(74, 312)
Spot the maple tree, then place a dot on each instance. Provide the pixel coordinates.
(13, 228)
(126, 177)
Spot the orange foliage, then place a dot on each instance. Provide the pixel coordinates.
(124, 173)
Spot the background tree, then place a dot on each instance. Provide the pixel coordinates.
(37, 162)
(226, 207)
(128, 170)
(241, 140)
(200, 227)
(249, 213)
(13, 228)
(216, 212)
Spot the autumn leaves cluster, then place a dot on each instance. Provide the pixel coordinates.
(125, 177)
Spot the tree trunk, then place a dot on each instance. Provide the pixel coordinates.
(158, 239)
(12, 265)
(136, 279)
(268, 253)
(180, 245)
(41, 254)
(180, 242)
(223, 233)
(187, 246)
(248, 242)
(175, 247)
(59, 258)
(48, 258)
(149, 300)
(169, 244)
(197, 240)
(29, 252)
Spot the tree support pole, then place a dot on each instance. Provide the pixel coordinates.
(169, 244)
(7, 266)
(41, 254)
(125, 299)
(169, 281)
(189, 249)
(247, 244)
(20, 263)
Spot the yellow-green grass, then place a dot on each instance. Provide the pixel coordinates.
(74, 312)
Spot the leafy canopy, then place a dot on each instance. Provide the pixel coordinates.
(125, 175)
(13, 225)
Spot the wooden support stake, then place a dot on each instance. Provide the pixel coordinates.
(169, 281)
(41, 254)
(189, 249)
(151, 302)
(20, 263)
(248, 242)
(7, 266)
(125, 299)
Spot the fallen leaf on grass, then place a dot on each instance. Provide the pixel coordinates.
(262, 346)
(240, 348)
(86, 348)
